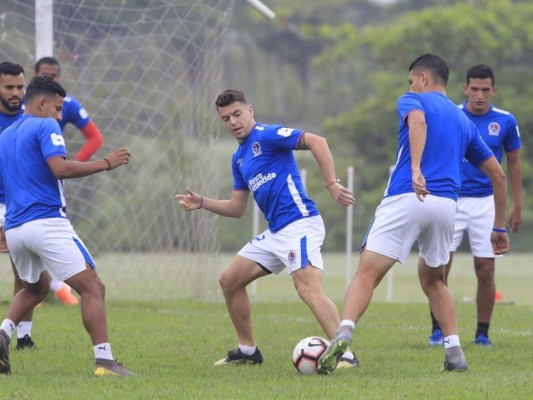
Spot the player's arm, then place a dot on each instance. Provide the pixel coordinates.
(65, 169)
(94, 141)
(492, 168)
(416, 121)
(234, 207)
(320, 149)
(515, 180)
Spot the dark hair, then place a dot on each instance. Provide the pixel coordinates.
(480, 71)
(9, 68)
(46, 85)
(47, 61)
(434, 65)
(229, 96)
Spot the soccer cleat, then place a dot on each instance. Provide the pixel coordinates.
(329, 360)
(5, 366)
(237, 357)
(25, 343)
(454, 360)
(65, 296)
(436, 338)
(483, 340)
(109, 367)
(345, 362)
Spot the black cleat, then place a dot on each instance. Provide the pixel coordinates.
(25, 343)
(237, 357)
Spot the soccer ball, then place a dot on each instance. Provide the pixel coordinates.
(306, 354)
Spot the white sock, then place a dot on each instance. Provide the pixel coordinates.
(347, 322)
(248, 350)
(103, 350)
(8, 327)
(56, 285)
(23, 329)
(348, 355)
(451, 341)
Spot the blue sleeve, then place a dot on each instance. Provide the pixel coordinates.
(477, 150)
(51, 139)
(407, 103)
(238, 179)
(512, 140)
(74, 113)
(280, 137)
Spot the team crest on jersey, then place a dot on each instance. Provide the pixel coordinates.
(292, 257)
(494, 129)
(256, 148)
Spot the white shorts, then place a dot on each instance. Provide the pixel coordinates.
(295, 246)
(2, 214)
(47, 244)
(475, 217)
(403, 219)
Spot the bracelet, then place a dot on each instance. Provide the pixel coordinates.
(201, 202)
(500, 230)
(108, 163)
(335, 181)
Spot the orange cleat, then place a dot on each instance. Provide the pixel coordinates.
(65, 296)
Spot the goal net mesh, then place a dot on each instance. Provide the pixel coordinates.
(147, 72)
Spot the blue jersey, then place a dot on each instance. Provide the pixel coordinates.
(450, 138)
(499, 130)
(5, 122)
(265, 164)
(32, 190)
(73, 113)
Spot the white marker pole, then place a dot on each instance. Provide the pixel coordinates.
(262, 9)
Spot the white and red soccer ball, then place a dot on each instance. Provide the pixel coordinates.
(307, 352)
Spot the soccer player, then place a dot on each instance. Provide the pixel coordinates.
(41, 239)
(264, 164)
(475, 206)
(419, 205)
(12, 84)
(73, 113)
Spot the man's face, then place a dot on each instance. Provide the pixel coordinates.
(478, 93)
(50, 70)
(238, 118)
(11, 93)
(51, 107)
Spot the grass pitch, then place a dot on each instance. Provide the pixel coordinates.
(171, 344)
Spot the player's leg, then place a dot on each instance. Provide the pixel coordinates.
(233, 281)
(436, 338)
(485, 298)
(24, 339)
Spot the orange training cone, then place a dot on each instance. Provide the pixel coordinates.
(498, 296)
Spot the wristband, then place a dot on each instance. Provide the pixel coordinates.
(331, 183)
(499, 230)
(201, 202)
(108, 163)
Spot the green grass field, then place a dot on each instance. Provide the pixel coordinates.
(172, 343)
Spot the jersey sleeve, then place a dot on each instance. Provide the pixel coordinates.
(407, 103)
(51, 139)
(512, 140)
(477, 150)
(238, 180)
(75, 114)
(280, 137)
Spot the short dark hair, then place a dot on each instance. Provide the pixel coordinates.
(9, 68)
(480, 71)
(47, 61)
(434, 65)
(229, 96)
(43, 85)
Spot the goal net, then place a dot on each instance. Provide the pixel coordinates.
(147, 72)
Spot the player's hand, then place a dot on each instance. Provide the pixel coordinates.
(118, 157)
(515, 219)
(3, 241)
(500, 242)
(342, 195)
(190, 201)
(419, 185)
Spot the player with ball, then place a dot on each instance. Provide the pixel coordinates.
(264, 164)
